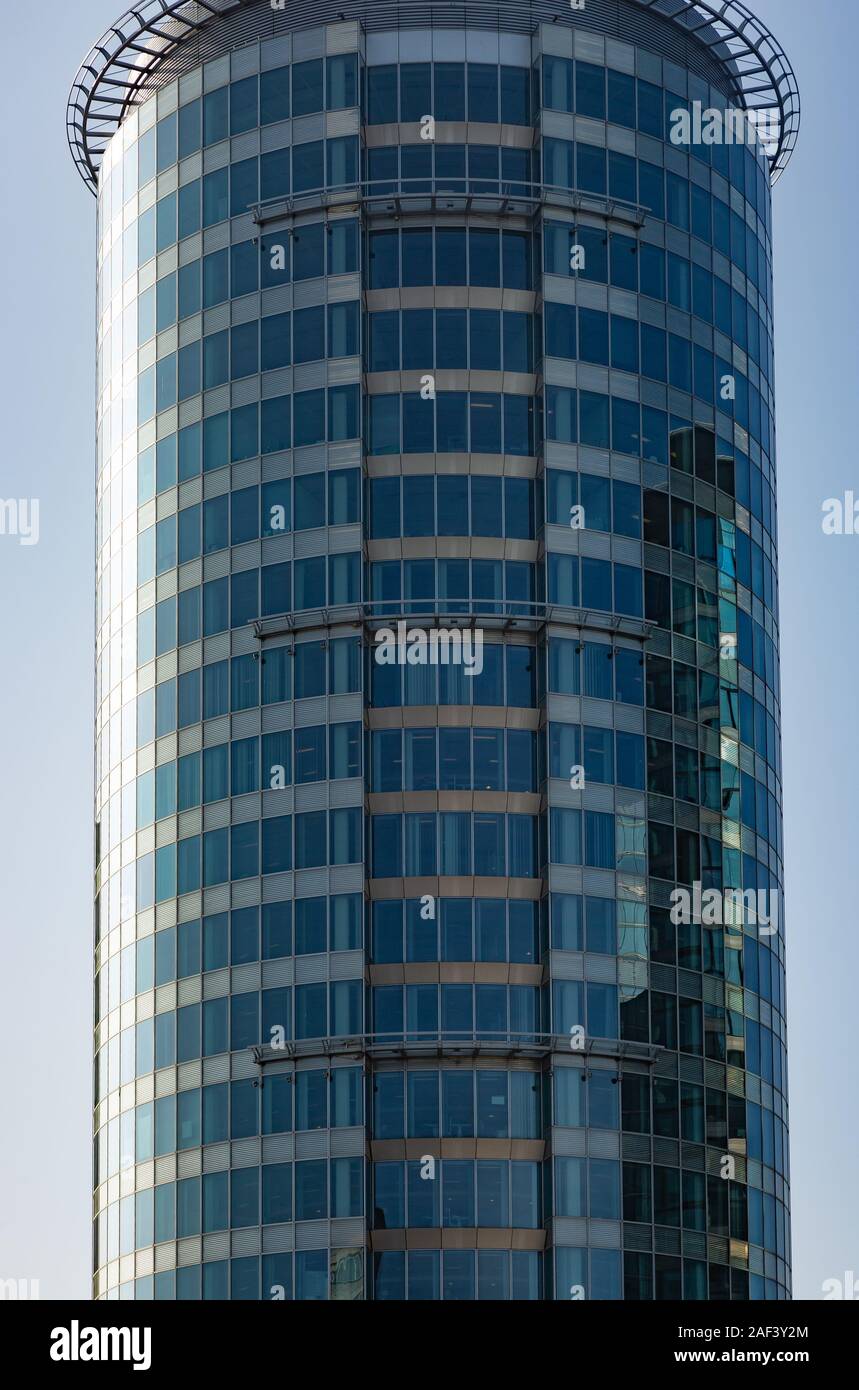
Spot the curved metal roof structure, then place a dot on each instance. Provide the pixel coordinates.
(130, 60)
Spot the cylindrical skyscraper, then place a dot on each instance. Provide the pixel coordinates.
(437, 651)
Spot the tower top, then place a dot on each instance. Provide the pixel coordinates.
(157, 40)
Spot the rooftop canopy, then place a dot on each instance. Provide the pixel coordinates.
(140, 51)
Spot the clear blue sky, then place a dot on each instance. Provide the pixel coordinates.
(47, 238)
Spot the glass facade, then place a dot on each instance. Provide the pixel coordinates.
(392, 998)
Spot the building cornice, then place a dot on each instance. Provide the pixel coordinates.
(141, 49)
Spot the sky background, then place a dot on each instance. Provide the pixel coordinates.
(47, 247)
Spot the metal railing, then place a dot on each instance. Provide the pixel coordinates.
(387, 197)
(417, 1043)
(466, 614)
